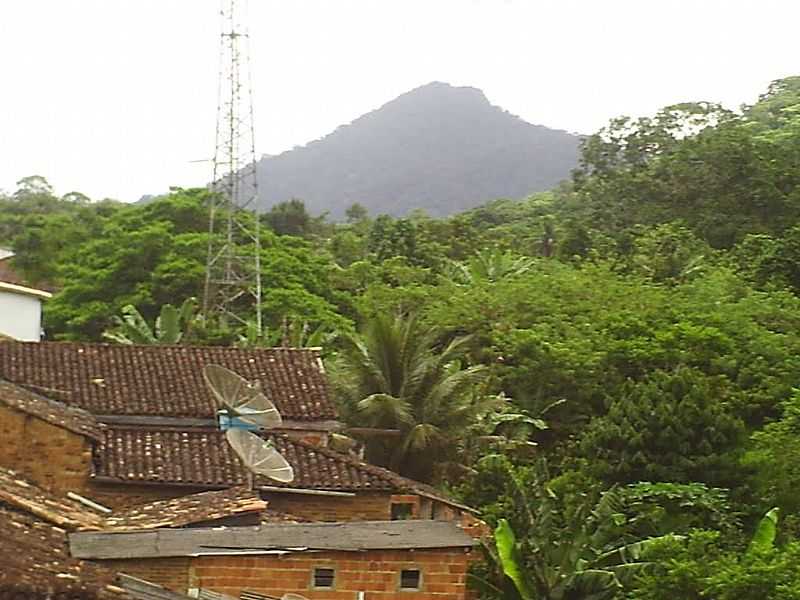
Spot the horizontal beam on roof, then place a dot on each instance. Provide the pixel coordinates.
(355, 536)
(181, 422)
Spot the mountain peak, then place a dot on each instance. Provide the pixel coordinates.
(438, 93)
(438, 147)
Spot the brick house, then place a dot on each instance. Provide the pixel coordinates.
(384, 560)
(129, 424)
(222, 541)
(133, 428)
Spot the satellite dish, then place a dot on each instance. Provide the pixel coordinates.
(243, 407)
(258, 456)
(239, 399)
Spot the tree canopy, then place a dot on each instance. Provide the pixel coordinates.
(635, 329)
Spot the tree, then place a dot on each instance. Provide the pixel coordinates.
(289, 218)
(33, 185)
(774, 459)
(676, 427)
(356, 213)
(390, 237)
(149, 255)
(668, 253)
(400, 377)
(725, 174)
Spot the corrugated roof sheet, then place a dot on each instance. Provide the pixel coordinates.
(166, 381)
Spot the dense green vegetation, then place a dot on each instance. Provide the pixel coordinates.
(609, 370)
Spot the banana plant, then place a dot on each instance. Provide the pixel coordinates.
(766, 532)
(171, 327)
(581, 555)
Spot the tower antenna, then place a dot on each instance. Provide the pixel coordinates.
(233, 268)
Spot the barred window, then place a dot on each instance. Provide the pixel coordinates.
(324, 578)
(410, 579)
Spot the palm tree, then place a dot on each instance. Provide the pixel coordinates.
(490, 265)
(171, 327)
(397, 378)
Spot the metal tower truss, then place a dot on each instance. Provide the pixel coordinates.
(233, 269)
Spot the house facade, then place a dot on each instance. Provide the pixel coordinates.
(20, 304)
(382, 560)
(21, 311)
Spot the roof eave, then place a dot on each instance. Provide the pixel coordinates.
(25, 291)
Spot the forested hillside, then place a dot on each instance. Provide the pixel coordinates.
(439, 148)
(608, 371)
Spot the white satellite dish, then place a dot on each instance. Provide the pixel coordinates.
(258, 456)
(243, 408)
(237, 398)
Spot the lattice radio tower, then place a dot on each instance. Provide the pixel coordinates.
(233, 269)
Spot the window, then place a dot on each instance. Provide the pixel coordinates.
(324, 578)
(402, 511)
(410, 579)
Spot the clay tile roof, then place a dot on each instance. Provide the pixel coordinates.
(35, 563)
(62, 512)
(57, 413)
(202, 458)
(66, 513)
(185, 510)
(164, 381)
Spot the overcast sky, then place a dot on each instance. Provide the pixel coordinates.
(114, 98)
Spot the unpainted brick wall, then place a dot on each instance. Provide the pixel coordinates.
(171, 573)
(54, 458)
(377, 573)
(365, 506)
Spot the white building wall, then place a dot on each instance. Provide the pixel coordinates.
(20, 316)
